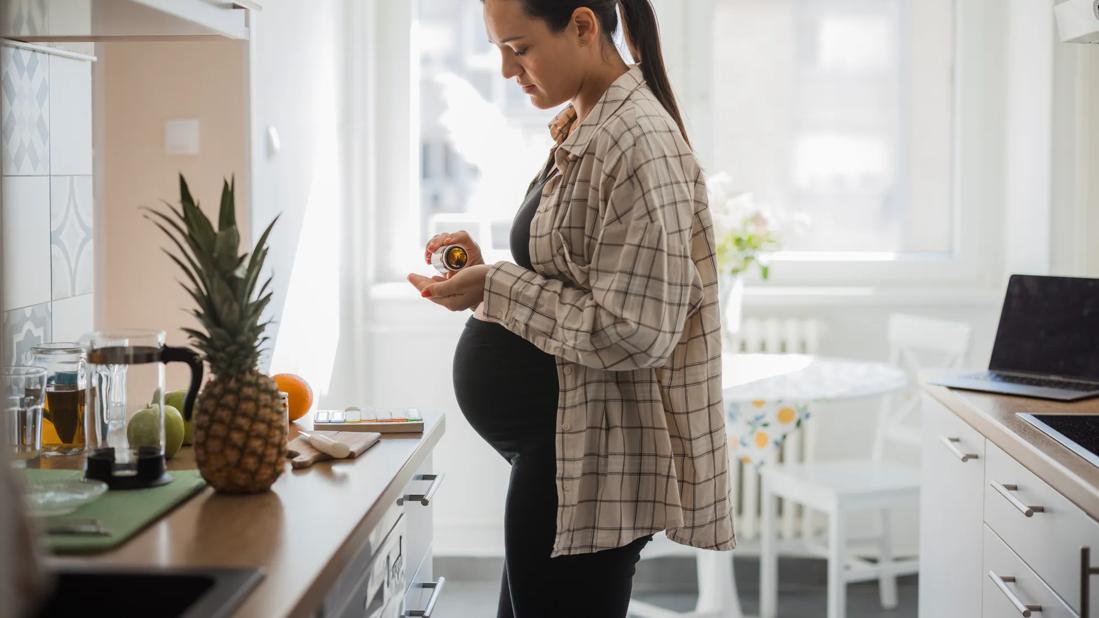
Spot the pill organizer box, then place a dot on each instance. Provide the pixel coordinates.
(381, 420)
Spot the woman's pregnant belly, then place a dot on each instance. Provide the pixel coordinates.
(505, 386)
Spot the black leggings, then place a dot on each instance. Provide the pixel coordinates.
(507, 389)
(534, 585)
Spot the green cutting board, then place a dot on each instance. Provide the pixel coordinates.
(124, 512)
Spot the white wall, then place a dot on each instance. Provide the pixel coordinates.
(302, 64)
(139, 87)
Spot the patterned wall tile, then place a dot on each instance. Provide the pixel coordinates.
(24, 112)
(25, 246)
(70, 117)
(71, 244)
(24, 328)
(25, 17)
(73, 317)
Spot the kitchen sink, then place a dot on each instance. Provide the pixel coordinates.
(121, 593)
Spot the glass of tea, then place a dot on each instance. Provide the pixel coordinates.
(23, 390)
(64, 429)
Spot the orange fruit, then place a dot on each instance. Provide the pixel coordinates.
(297, 391)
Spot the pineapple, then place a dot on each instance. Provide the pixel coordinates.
(239, 426)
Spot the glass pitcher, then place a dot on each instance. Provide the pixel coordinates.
(64, 423)
(127, 369)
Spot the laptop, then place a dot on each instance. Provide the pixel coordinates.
(1047, 344)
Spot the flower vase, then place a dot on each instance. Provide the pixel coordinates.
(731, 298)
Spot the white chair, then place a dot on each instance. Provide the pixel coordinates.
(838, 488)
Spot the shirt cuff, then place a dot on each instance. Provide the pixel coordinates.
(504, 300)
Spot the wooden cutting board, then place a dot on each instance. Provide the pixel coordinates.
(302, 454)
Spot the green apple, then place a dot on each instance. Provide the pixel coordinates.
(178, 400)
(144, 429)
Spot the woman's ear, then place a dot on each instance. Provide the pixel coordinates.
(586, 25)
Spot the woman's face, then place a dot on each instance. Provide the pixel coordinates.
(548, 66)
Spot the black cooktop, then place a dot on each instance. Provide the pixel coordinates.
(1078, 432)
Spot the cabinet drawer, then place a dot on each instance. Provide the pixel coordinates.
(1039, 524)
(418, 516)
(423, 590)
(1010, 588)
(378, 560)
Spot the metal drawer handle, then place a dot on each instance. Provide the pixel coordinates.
(424, 499)
(1005, 490)
(1001, 582)
(1086, 571)
(950, 446)
(437, 587)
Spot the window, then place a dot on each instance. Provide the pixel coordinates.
(840, 113)
(481, 140)
(837, 114)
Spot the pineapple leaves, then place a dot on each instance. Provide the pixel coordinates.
(227, 217)
(219, 279)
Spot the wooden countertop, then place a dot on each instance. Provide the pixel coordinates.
(301, 534)
(995, 417)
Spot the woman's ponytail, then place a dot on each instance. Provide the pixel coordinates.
(643, 39)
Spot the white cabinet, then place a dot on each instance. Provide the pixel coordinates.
(995, 539)
(952, 478)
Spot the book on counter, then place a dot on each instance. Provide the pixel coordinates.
(381, 420)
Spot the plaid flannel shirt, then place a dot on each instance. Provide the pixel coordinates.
(624, 295)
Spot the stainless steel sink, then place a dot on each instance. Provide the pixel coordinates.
(121, 593)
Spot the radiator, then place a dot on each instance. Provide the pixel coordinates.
(775, 336)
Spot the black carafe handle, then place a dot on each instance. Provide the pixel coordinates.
(185, 355)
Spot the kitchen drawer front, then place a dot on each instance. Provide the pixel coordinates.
(1010, 587)
(386, 539)
(1051, 539)
(383, 581)
(423, 591)
(418, 516)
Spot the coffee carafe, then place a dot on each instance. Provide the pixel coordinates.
(127, 378)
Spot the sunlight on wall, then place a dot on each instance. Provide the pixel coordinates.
(309, 332)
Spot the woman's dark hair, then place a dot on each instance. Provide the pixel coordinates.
(642, 37)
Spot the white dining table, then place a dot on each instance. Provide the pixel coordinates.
(769, 396)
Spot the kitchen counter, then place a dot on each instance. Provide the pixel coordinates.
(302, 534)
(994, 416)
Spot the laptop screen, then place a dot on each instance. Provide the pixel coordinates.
(1049, 326)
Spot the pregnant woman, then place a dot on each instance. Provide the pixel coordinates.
(592, 363)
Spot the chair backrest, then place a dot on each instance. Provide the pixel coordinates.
(916, 343)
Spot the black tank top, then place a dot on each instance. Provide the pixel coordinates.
(505, 386)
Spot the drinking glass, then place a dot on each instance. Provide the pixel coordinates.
(63, 419)
(24, 392)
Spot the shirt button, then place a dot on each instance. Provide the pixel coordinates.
(568, 370)
(564, 426)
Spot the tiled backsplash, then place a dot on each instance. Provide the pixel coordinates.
(47, 201)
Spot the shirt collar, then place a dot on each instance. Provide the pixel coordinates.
(574, 140)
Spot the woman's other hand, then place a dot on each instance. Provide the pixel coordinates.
(464, 289)
(461, 238)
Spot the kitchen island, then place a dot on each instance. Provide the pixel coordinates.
(1009, 517)
(330, 540)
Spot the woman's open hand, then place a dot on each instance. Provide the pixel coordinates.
(460, 237)
(465, 289)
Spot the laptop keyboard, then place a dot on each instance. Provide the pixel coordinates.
(1046, 382)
